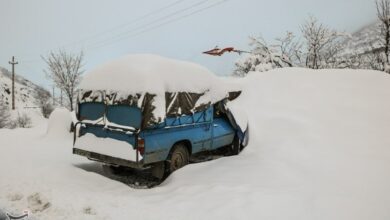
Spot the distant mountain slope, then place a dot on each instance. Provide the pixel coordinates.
(25, 90)
(365, 40)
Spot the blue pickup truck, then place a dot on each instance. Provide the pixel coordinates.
(123, 130)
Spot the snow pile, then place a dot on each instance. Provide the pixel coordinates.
(136, 78)
(59, 123)
(319, 149)
(154, 74)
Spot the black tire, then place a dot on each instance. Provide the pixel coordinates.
(178, 158)
(235, 147)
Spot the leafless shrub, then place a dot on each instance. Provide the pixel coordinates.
(22, 121)
(290, 48)
(43, 101)
(262, 57)
(4, 115)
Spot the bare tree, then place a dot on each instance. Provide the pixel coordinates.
(65, 71)
(261, 58)
(383, 13)
(322, 43)
(290, 48)
(375, 60)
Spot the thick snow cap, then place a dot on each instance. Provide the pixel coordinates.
(160, 87)
(153, 74)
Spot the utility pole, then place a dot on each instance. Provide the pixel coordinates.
(13, 63)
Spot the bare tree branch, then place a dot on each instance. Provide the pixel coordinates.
(65, 71)
(383, 13)
(322, 44)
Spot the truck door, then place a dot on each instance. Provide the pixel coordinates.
(222, 131)
(207, 128)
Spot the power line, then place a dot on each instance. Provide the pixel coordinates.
(157, 11)
(159, 25)
(140, 27)
(164, 23)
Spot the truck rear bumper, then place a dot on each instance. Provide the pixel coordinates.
(108, 159)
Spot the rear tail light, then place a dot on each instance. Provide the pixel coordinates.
(141, 146)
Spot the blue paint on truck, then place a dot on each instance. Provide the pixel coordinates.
(202, 131)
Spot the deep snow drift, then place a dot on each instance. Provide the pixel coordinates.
(137, 73)
(319, 149)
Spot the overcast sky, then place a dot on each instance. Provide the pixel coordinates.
(179, 29)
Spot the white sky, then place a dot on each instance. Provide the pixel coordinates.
(32, 28)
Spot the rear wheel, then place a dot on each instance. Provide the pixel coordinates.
(178, 158)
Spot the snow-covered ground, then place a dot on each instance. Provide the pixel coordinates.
(319, 149)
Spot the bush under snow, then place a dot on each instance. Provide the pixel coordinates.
(4, 115)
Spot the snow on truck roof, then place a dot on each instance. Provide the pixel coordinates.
(150, 73)
(160, 87)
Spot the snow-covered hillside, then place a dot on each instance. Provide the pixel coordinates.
(25, 90)
(364, 40)
(319, 149)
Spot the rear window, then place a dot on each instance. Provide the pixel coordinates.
(91, 110)
(124, 115)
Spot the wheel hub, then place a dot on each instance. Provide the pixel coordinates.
(177, 161)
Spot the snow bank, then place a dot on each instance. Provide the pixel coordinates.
(59, 123)
(319, 149)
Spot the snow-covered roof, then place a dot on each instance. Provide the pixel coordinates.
(160, 86)
(149, 73)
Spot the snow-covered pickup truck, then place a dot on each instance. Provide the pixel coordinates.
(159, 124)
